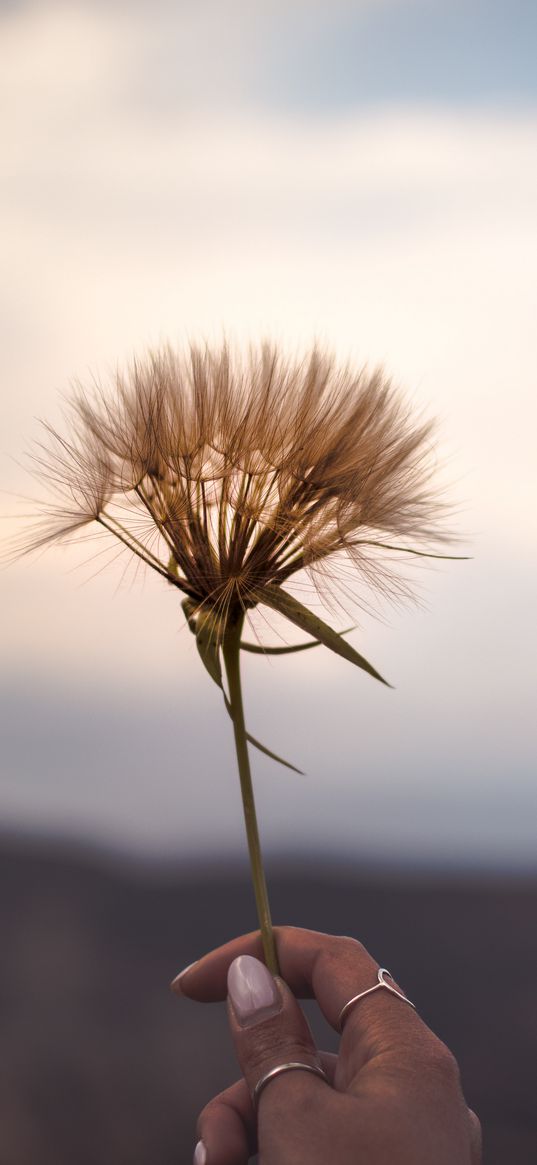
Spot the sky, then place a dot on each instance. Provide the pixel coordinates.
(360, 173)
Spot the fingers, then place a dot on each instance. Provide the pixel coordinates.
(475, 1137)
(226, 1128)
(389, 1060)
(331, 968)
(227, 1125)
(268, 1027)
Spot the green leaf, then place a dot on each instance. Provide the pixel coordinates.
(262, 748)
(273, 596)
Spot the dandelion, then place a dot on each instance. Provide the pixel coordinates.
(227, 475)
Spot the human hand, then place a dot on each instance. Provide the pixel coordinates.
(392, 1094)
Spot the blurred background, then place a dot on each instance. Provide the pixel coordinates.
(363, 173)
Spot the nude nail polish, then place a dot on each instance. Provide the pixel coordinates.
(252, 990)
(200, 1154)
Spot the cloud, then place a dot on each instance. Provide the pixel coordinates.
(397, 234)
(301, 54)
(402, 233)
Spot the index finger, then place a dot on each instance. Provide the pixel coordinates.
(331, 968)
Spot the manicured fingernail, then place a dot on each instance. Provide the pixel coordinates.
(200, 1154)
(176, 983)
(252, 990)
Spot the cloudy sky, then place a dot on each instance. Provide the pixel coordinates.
(363, 173)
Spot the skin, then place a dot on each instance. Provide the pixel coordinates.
(393, 1095)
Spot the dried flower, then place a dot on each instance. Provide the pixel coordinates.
(227, 475)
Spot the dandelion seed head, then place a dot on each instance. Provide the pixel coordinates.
(227, 472)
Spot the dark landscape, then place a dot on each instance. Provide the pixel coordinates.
(100, 1065)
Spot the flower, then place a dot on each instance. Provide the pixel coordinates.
(227, 475)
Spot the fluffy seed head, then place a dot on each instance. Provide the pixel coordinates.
(228, 473)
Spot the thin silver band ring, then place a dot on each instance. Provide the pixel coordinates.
(381, 983)
(291, 1066)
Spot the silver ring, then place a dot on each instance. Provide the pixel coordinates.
(291, 1066)
(381, 983)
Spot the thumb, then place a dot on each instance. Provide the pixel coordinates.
(268, 1028)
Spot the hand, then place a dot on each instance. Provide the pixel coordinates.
(393, 1094)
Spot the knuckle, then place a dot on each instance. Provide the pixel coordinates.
(442, 1063)
(214, 1104)
(353, 945)
(207, 1113)
(269, 1050)
(340, 949)
(346, 940)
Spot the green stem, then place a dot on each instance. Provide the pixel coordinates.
(231, 652)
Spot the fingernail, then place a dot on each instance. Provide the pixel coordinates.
(200, 1152)
(176, 983)
(252, 990)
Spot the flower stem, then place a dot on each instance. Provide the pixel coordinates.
(231, 652)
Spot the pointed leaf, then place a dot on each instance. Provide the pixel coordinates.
(273, 596)
(418, 553)
(262, 748)
(208, 644)
(189, 609)
(273, 755)
(210, 659)
(258, 649)
(172, 567)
